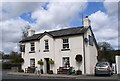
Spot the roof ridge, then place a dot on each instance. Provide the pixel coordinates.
(64, 29)
(58, 30)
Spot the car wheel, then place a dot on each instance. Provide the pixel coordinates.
(95, 74)
(109, 74)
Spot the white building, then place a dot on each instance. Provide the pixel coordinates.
(60, 46)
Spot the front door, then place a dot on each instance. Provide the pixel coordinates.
(47, 64)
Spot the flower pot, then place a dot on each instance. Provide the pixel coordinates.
(41, 71)
(50, 72)
(79, 72)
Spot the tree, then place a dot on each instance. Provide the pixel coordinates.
(18, 60)
(104, 46)
(25, 31)
(104, 53)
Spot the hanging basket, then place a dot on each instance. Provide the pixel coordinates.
(51, 61)
(78, 58)
(40, 62)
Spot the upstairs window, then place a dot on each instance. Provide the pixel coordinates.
(91, 40)
(65, 43)
(32, 47)
(46, 45)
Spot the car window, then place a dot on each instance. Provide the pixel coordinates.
(103, 64)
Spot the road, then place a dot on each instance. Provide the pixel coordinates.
(6, 77)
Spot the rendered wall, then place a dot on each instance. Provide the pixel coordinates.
(118, 64)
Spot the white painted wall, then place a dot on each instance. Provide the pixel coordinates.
(90, 54)
(76, 47)
(55, 46)
(118, 64)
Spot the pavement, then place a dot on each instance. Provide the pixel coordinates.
(64, 76)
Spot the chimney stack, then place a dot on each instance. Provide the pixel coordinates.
(31, 32)
(86, 22)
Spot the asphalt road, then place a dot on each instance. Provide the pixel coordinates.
(6, 77)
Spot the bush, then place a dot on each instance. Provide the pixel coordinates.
(6, 66)
(18, 60)
(10, 65)
(78, 58)
(40, 62)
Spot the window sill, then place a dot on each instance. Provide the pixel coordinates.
(46, 51)
(65, 49)
(32, 52)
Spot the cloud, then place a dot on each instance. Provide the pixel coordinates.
(57, 15)
(111, 7)
(105, 25)
(11, 34)
(14, 9)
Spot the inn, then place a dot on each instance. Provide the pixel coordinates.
(61, 46)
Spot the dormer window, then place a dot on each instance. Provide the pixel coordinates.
(32, 48)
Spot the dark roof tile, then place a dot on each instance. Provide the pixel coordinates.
(58, 33)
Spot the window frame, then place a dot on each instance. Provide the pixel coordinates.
(32, 47)
(65, 44)
(46, 43)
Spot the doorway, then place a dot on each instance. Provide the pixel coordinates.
(47, 65)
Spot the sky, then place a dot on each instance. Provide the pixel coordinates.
(48, 16)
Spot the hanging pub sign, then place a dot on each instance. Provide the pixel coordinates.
(22, 48)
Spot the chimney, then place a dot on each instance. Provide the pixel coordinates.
(86, 22)
(31, 32)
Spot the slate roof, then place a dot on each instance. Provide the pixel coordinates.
(57, 33)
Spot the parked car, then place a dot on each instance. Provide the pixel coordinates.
(103, 68)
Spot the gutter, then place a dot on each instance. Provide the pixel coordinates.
(84, 55)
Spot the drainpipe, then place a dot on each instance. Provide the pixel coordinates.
(84, 55)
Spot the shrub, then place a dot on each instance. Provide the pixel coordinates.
(6, 65)
(78, 58)
(18, 60)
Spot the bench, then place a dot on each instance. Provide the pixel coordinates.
(64, 70)
(30, 70)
